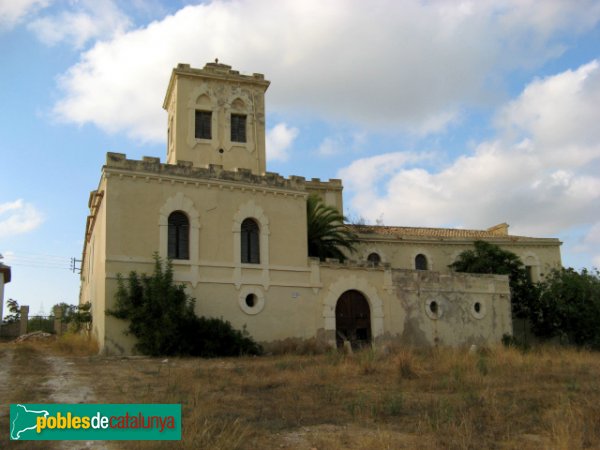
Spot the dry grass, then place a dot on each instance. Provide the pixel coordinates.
(439, 398)
(75, 344)
(22, 370)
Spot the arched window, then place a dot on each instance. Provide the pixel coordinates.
(250, 242)
(374, 258)
(179, 236)
(421, 262)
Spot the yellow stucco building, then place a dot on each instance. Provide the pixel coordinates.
(238, 240)
(5, 275)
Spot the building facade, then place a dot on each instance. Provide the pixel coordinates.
(5, 275)
(237, 236)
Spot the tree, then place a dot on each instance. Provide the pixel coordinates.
(569, 307)
(77, 316)
(490, 258)
(65, 310)
(327, 234)
(15, 311)
(161, 316)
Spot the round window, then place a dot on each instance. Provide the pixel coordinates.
(433, 309)
(251, 300)
(478, 309)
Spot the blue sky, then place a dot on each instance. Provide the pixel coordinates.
(434, 113)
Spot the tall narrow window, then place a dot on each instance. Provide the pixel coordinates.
(420, 262)
(250, 242)
(179, 232)
(203, 124)
(238, 128)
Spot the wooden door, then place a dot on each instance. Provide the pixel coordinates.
(353, 319)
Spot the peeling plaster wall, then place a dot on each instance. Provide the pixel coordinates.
(471, 309)
(400, 300)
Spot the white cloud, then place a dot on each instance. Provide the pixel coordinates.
(593, 235)
(412, 65)
(364, 175)
(18, 217)
(92, 19)
(330, 146)
(542, 178)
(342, 142)
(590, 244)
(279, 142)
(13, 12)
(567, 131)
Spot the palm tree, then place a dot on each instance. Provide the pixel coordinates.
(327, 234)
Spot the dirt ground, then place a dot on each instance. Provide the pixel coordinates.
(498, 399)
(30, 375)
(36, 373)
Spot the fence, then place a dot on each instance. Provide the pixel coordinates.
(26, 324)
(40, 323)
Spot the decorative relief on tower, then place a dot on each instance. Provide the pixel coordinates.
(221, 120)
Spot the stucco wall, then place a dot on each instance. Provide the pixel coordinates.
(399, 304)
(304, 307)
(542, 255)
(93, 269)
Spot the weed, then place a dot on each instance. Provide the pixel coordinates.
(76, 344)
(405, 361)
(548, 397)
(367, 359)
(572, 385)
(482, 365)
(393, 404)
(359, 406)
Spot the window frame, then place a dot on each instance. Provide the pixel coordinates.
(374, 258)
(250, 241)
(239, 128)
(421, 262)
(202, 124)
(178, 236)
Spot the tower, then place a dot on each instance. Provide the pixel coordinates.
(216, 116)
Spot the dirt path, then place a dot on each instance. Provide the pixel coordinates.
(65, 386)
(30, 375)
(5, 364)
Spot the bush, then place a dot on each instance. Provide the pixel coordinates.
(490, 258)
(77, 317)
(569, 307)
(162, 318)
(511, 341)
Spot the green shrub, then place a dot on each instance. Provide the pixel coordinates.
(161, 316)
(511, 341)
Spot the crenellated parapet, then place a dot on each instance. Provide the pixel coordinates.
(188, 173)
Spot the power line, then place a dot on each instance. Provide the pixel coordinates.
(37, 260)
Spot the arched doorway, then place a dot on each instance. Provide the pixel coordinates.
(353, 320)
